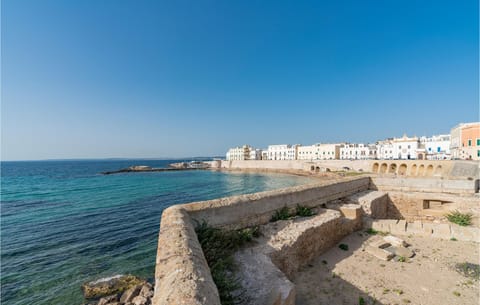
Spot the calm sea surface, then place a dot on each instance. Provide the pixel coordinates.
(62, 223)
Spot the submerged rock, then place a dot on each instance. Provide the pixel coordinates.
(110, 286)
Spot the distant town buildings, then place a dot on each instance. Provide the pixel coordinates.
(358, 151)
(463, 142)
(319, 152)
(282, 152)
(405, 148)
(436, 147)
(239, 153)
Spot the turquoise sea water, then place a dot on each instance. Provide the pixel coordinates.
(62, 223)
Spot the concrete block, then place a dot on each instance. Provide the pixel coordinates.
(374, 203)
(436, 213)
(380, 243)
(379, 253)
(418, 228)
(465, 233)
(395, 241)
(351, 211)
(383, 225)
(367, 222)
(427, 228)
(441, 230)
(405, 252)
(399, 228)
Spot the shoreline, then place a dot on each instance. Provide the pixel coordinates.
(301, 173)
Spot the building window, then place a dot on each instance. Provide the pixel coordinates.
(478, 142)
(469, 142)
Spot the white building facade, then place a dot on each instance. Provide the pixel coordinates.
(385, 150)
(436, 147)
(319, 152)
(239, 153)
(308, 152)
(264, 154)
(282, 152)
(358, 152)
(405, 148)
(255, 154)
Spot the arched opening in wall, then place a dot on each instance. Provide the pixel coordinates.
(383, 168)
(312, 168)
(413, 170)
(421, 169)
(402, 170)
(317, 169)
(327, 170)
(393, 168)
(438, 171)
(429, 170)
(375, 168)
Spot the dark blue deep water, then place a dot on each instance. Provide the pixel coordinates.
(62, 223)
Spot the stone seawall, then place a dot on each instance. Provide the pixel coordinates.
(182, 275)
(409, 168)
(256, 209)
(432, 185)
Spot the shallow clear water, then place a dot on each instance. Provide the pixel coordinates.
(62, 223)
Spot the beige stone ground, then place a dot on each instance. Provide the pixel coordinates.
(343, 277)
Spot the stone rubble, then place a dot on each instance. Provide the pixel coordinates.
(389, 247)
(139, 294)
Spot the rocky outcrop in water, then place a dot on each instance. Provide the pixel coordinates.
(118, 290)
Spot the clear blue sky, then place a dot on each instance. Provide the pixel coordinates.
(110, 78)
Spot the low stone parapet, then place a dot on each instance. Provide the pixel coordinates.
(425, 184)
(374, 203)
(182, 275)
(425, 229)
(257, 209)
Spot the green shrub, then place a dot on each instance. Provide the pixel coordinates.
(344, 247)
(361, 301)
(218, 248)
(460, 219)
(304, 211)
(282, 214)
(375, 232)
(468, 270)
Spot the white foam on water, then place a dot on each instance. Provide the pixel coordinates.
(106, 279)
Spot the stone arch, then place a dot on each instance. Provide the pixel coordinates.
(438, 170)
(429, 171)
(383, 168)
(327, 170)
(375, 167)
(393, 168)
(421, 170)
(402, 170)
(312, 168)
(317, 169)
(413, 170)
